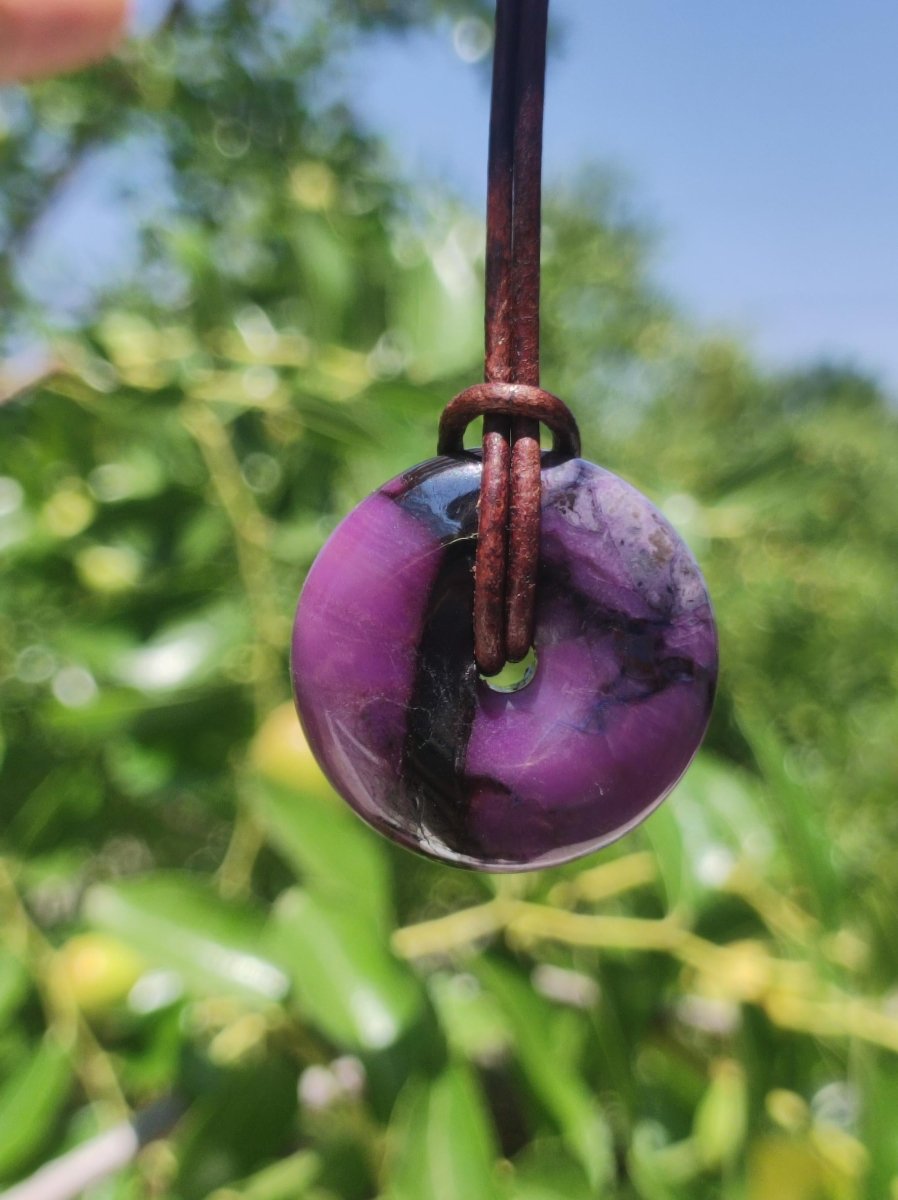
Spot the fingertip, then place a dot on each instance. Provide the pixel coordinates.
(46, 37)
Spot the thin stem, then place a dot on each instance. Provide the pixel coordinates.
(63, 1016)
(792, 994)
(246, 841)
(608, 880)
(456, 931)
(252, 535)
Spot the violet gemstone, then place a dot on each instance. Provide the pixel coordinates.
(433, 756)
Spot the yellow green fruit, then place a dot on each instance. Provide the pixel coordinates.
(97, 970)
(281, 755)
(721, 1116)
(780, 1168)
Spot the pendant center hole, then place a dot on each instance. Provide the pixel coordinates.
(514, 675)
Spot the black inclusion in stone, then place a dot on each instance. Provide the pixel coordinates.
(442, 494)
(640, 645)
(442, 706)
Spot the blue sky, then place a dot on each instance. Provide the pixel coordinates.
(759, 139)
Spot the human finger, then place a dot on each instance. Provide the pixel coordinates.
(45, 37)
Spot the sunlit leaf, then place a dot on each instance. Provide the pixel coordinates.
(803, 834)
(558, 1087)
(721, 1116)
(711, 821)
(441, 1143)
(178, 923)
(30, 1101)
(345, 978)
(333, 851)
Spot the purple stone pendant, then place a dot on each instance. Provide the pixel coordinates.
(568, 557)
(430, 753)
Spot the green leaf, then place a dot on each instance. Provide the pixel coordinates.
(713, 818)
(442, 1143)
(345, 978)
(14, 985)
(244, 1119)
(435, 305)
(176, 923)
(803, 834)
(75, 790)
(878, 1080)
(544, 1170)
(661, 1169)
(183, 653)
(334, 852)
(284, 1180)
(554, 1082)
(327, 271)
(721, 1116)
(29, 1103)
(471, 1018)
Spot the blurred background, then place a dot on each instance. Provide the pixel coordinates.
(241, 275)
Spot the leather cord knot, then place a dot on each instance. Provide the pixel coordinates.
(508, 400)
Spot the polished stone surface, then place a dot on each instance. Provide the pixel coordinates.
(428, 752)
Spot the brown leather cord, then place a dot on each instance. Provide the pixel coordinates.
(507, 399)
(491, 565)
(511, 400)
(524, 505)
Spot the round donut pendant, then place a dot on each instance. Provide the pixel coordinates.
(431, 754)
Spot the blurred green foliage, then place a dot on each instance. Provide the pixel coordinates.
(708, 1009)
